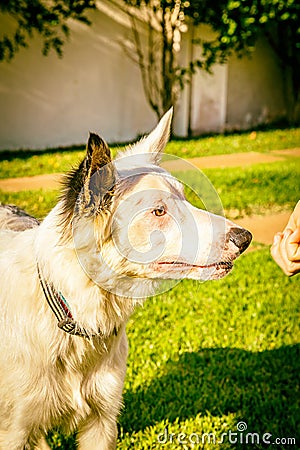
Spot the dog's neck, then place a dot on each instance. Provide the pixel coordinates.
(93, 308)
(62, 311)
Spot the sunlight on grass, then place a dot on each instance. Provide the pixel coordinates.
(17, 164)
(207, 355)
(258, 189)
(38, 203)
(260, 141)
(264, 188)
(37, 164)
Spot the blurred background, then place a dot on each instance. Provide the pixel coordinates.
(68, 67)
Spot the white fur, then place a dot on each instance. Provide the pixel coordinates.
(50, 378)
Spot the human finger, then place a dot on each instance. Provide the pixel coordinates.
(292, 245)
(294, 220)
(276, 251)
(279, 254)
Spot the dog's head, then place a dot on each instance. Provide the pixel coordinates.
(130, 218)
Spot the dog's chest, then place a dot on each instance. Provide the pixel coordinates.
(85, 376)
(76, 374)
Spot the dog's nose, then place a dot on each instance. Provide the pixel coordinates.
(240, 237)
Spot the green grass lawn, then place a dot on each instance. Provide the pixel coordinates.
(254, 190)
(260, 141)
(16, 164)
(258, 189)
(207, 355)
(37, 203)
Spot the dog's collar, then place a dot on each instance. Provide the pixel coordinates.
(62, 312)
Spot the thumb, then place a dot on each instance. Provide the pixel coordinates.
(292, 245)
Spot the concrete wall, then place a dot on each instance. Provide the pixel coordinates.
(47, 101)
(255, 91)
(241, 94)
(209, 93)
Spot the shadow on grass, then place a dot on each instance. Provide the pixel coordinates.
(10, 155)
(261, 389)
(24, 154)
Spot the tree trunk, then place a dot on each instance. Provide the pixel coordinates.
(167, 62)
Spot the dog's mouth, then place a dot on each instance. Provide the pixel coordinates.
(182, 264)
(175, 269)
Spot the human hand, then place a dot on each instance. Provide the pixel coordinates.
(286, 245)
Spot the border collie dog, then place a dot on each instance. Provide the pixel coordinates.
(70, 283)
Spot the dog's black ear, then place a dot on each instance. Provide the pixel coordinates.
(99, 177)
(97, 154)
(89, 188)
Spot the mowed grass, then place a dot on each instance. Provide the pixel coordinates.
(256, 189)
(38, 203)
(27, 163)
(255, 141)
(206, 356)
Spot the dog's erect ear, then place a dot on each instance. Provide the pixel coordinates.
(157, 140)
(99, 177)
(154, 144)
(89, 188)
(97, 153)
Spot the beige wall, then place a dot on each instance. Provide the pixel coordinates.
(242, 94)
(47, 101)
(209, 93)
(255, 92)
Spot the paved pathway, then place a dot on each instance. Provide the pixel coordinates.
(262, 227)
(235, 159)
(51, 181)
(46, 181)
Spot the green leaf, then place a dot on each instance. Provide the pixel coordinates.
(263, 19)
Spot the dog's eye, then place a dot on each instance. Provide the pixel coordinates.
(158, 212)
